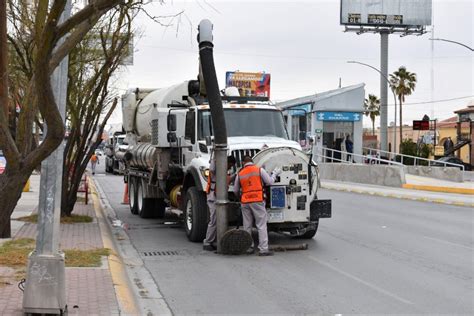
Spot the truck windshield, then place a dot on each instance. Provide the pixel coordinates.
(245, 122)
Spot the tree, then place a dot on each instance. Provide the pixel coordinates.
(372, 109)
(90, 100)
(403, 83)
(45, 32)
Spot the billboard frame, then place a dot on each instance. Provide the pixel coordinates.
(403, 30)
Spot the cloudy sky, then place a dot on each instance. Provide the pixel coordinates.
(303, 46)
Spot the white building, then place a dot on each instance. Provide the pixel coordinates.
(329, 117)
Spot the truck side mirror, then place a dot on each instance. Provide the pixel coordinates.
(208, 140)
(171, 123)
(302, 135)
(171, 136)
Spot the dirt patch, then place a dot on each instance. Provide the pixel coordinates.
(73, 219)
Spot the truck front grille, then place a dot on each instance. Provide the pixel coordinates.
(240, 154)
(154, 132)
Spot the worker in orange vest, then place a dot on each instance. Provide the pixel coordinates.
(251, 180)
(94, 162)
(211, 233)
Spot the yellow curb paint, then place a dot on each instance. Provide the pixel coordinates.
(401, 197)
(438, 189)
(117, 266)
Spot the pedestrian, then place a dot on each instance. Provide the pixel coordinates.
(94, 162)
(349, 147)
(448, 145)
(211, 233)
(251, 180)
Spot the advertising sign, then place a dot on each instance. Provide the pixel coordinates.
(338, 116)
(401, 13)
(420, 125)
(300, 110)
(250, 84)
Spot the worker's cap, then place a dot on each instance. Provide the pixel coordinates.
(231, 160)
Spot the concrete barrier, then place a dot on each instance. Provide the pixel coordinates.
(468, 176)
(441, 173)
(392, 176)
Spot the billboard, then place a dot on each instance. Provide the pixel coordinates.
(250, 84)
(397, 13)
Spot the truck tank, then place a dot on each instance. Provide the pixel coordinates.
(161, 98)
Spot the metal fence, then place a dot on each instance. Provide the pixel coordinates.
(404, 158)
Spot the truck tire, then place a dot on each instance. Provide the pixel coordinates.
(145, 206)
(310, 233)
(107, 165)
(132, 195)
(195, 215)
(160, 208)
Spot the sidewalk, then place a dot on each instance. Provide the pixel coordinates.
(89, 291)
(436, 185)
(401, 193)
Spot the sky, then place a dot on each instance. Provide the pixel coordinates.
(305, 49)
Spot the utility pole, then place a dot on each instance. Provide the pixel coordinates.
(45, 290)
(383, 90)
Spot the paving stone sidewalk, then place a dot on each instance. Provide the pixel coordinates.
(89, 291)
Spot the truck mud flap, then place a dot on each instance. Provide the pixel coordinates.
(320, 209)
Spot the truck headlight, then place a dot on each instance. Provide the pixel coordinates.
(205, 172)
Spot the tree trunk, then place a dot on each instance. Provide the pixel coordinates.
(12, 184)
(401, 125)
(69, 193)
(373, 127)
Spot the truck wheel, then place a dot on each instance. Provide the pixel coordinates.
(160, 207)
(132, 195)
(145, 206)
(309, 234)
(195, 215)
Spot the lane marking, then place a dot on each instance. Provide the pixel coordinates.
(448, 242)
(357, 279)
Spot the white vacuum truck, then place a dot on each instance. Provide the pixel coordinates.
(170, 139)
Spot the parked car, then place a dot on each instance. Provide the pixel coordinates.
(452, 159)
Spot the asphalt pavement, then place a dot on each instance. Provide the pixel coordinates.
(376, 255)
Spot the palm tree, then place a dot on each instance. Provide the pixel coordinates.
(403, 83)
(372, 109)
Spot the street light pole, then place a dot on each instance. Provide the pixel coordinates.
(394, 99)
(45, 289)
(454, 42)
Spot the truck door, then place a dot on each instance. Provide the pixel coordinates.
(190, 149)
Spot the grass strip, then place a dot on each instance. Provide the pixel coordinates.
(14, 253)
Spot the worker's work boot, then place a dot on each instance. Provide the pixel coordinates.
(265, 253)
(208, 248)
(250, 251)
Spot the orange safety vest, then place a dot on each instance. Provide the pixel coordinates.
(211, 185)
(251, 184)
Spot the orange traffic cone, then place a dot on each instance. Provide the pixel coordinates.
(125, 195)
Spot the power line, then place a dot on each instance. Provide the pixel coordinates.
(437, 101)
(295, 57)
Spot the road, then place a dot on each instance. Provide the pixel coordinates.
(376, 255)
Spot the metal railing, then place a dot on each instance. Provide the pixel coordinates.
(393, 156)
(322, 152)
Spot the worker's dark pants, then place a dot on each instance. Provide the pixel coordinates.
(212, 225)
(256, 213)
